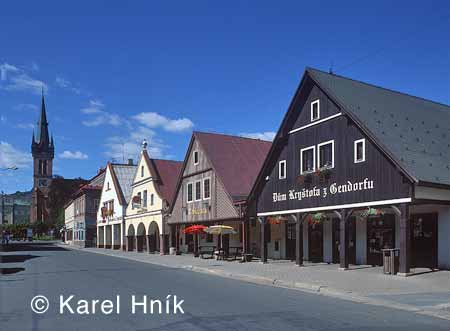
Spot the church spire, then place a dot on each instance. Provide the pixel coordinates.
(42, 136)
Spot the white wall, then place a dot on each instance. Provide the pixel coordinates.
(108, 195)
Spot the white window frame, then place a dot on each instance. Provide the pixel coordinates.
(187, 192)
(301, 160)
(355, 150)
(198, 158)
(332, 154)
(318, 110)
(203, 183)
(282, 163)
(144, 198)
(195, 190)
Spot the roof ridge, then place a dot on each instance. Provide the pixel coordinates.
(165, 160)
(231, 135)
(379, 87)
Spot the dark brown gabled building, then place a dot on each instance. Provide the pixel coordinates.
(355, 169)
(217, 175)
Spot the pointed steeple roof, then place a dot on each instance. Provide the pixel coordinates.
(42, 134)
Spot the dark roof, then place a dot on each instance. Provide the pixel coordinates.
(236, 160)
(414, 131)
(167, 173)
(122, 175)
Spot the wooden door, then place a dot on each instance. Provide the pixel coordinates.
(290, 241)
(315, 240)
(351, 241)
(380, 235)
(424, 240)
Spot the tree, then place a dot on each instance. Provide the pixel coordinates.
(60, 192)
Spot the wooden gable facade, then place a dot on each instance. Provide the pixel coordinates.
(343, 182)
(198, 208)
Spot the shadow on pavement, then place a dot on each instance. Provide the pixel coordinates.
(30, 246)
(8, 271)
(16, 258)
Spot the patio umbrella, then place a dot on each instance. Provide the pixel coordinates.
(195, 229)
(220, 229)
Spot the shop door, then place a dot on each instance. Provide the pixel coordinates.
(226, 243)
(190, 242)
(290, 241)
(351, 240)
(424, 240)
(315, 240)
(380, 235)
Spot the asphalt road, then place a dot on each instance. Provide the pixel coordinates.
(210, 302)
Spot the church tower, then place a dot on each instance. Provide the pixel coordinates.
(43, 151)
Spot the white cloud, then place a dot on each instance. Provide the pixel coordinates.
(7, 68)
(26, 107)
(123, 148)
(100, 116)
(11, 156)
(268, 135)
(34, 66)
(25, 126)
(66, 84)
(95, 107)
(76, 155)
(155, 120)
(23, 82)
(61, 82)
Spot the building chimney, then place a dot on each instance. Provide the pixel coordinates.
(130, 161)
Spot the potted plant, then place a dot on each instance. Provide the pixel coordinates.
(323, 174)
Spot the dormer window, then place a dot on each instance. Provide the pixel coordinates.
(142, 171)
(107, 186)
(315, 110)
(196, 157)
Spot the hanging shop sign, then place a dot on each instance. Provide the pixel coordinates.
(323, 192)
(198, 211)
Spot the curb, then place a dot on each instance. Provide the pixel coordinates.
(299, 286)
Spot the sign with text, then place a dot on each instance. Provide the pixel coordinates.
(323, 192)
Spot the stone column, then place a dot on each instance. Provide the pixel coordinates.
(162, 238)
(405, 240)
(299, 239)
(147, 244)
(113, 236)
(104, 236)
(263, 222)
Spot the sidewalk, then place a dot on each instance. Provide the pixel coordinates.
(427, 293)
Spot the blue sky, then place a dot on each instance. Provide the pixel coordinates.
(116, 72)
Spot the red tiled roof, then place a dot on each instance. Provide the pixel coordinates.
(168, 172)
(237, 160)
